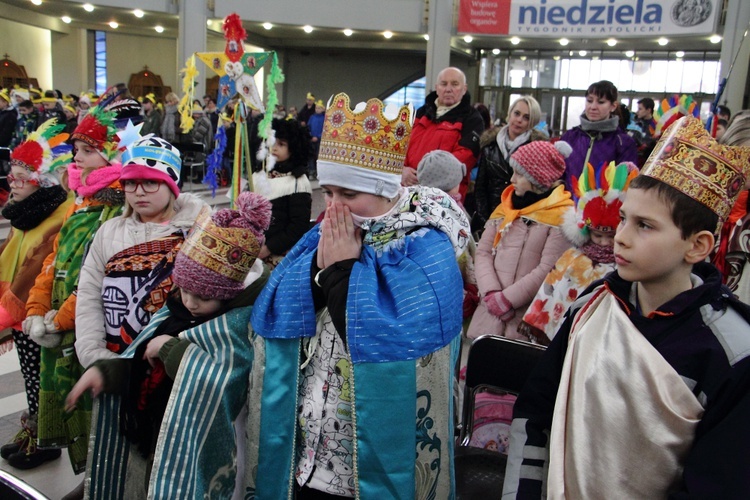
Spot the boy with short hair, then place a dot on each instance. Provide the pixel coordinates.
(645, 390)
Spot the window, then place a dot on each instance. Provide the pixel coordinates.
(100, 61)
(413, 92)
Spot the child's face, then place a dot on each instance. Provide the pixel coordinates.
(720, 129)
(20, 185)
(359, 203)
(521, 184)
(149, 198)
(280, 150)
(319, 109)
(25, 111)
(199, 306)
(601, 238)
(648, 245)
(87, 156)
(598, 108)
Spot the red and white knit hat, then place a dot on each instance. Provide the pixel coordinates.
(541, 162)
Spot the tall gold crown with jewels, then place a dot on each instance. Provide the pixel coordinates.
(365, 137)
(691, 161)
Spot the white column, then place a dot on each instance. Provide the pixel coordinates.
(738, 16)
(191, 38)
(439, 28)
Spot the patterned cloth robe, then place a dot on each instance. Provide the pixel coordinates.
(403, 320)
(60, 369)
(196, 451)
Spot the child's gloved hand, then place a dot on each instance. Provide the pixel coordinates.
(35, 328)
(499, 306)
(49, 321)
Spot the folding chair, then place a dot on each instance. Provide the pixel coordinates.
(501, 366)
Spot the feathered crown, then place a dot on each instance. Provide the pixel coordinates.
(97, 129)
(43, 152)
(365, 137)
(598, 195)
(674, 108)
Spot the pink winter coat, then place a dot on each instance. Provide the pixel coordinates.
(525, 255)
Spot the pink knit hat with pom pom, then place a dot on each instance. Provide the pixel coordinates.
(221, 248)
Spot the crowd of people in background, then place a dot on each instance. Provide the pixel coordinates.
(480, 227)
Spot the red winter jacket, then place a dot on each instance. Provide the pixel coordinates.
(457, 132)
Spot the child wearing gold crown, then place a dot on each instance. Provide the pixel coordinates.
(171, 404)
(358, 329)
(598, 195)
(36, 209)
(645, 390)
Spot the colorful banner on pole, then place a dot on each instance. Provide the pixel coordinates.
(588, 18)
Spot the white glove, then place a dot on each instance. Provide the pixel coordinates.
(34, 327)
(49, 321)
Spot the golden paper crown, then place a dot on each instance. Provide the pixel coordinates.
(227, 251)
(365, 138)
(691, 161)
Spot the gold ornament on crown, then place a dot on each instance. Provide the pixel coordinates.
(691, 161)
(366, 138)
(228, 251)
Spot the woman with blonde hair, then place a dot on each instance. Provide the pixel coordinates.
(494, 169)
(170, 126)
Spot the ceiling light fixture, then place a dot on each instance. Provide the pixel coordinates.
(159, 29)
(307, 28)
(564, 42)
(387, 34)
(496, 51)
(114, 25)
(629, 53)
(679, 53)
(267, 26)
(36, 2)
(348, 32)
(515, 40)
(138, 13)
(66, 19)
(715, 39)
(523, 58)
(468, 39)
(208, 23)
(88, 7)
(426, 37)
(582, 53)
(662, 41)
(611, 42)
(556, 58)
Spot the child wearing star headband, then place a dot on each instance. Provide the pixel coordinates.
(131, 258)
(645, 390)
(94, 176)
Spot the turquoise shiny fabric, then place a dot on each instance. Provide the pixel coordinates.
(278, 421)
(399, 305)
(384, 411)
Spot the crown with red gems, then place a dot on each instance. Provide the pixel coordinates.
(365, 137)
(691, 161)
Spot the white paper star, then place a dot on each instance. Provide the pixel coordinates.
(128, 136)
